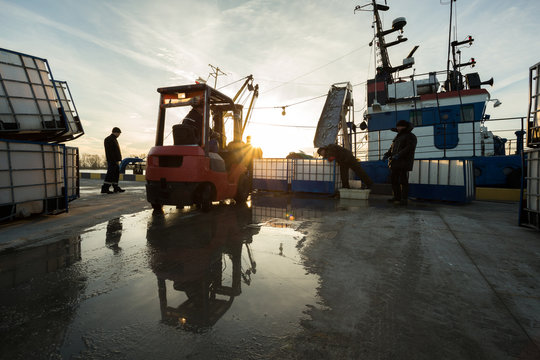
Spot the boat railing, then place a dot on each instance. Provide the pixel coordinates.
(411, 87)
(509, 130)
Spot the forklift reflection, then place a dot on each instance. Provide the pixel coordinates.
(196, 256)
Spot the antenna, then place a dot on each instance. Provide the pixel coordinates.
(216, 71)
(385, 70)
(412, 51)
(449, 43)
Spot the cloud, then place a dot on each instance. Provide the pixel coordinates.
(115, 54)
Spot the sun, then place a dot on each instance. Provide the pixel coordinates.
(276, 138)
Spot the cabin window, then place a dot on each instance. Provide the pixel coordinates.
(415, 117)
(468, 113)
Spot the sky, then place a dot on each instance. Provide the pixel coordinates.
(115, 54)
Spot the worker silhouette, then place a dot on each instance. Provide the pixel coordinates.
(346, 161)
(114, 156)
(400, 161)
(195, 117)
(189, 131)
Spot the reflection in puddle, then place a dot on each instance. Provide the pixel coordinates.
(21, 266)
(202, 260)
(232, 278)
(220, 271)
(353, 204)
(281, 211)
(113, 234)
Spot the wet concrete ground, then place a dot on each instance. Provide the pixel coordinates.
(226, 284)
(284, 278)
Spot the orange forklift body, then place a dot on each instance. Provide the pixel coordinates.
(187, 174)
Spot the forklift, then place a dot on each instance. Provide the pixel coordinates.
(201, 167)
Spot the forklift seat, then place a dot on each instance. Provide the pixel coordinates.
(184, 134)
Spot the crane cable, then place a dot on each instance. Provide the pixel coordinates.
(302, 101)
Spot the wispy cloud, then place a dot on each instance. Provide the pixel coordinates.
(116, 47)
(115, 54)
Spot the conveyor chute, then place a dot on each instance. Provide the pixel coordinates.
(333, 116)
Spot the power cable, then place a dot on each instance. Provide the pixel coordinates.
(296, 103)
(296, 83)
(316, 69)
(284, 125)
(303, 101)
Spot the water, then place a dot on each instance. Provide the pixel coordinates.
(238, 283)
(229, 283)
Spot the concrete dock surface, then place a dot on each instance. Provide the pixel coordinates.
(314, 277)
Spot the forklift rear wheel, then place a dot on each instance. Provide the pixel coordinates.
(205, 194)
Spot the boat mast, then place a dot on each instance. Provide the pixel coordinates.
(380, 33)
(454, 79)
(385, 70)
(449, 41)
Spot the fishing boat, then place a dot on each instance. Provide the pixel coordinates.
(447, 109)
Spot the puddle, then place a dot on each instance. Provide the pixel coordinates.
(282, 209)
(22, 266)
(228, 283)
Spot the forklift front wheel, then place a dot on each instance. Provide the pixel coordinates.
(158, 208)
(243, 189)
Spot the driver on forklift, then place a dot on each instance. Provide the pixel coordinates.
(189, 131)
(195, 117)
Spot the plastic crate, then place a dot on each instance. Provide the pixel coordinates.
(354, 194)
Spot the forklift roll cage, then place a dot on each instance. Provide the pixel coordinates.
(212, 100)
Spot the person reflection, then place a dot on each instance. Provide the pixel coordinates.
(113, 235)
(202, 257)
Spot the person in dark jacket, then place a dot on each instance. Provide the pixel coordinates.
(346, 161)
(400, 161)
(194, 118)
(114, 156)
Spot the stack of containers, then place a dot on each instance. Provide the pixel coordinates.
(38, 174)
(530, 203)
(297, 175)
(272, 174)
(315, 176)
(446, 180)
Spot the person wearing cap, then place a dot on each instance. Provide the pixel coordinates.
(400, 161)
(346, 161)
(114, 156)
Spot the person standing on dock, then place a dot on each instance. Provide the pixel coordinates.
(346, 161)
(400, 161)
(114, 156)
